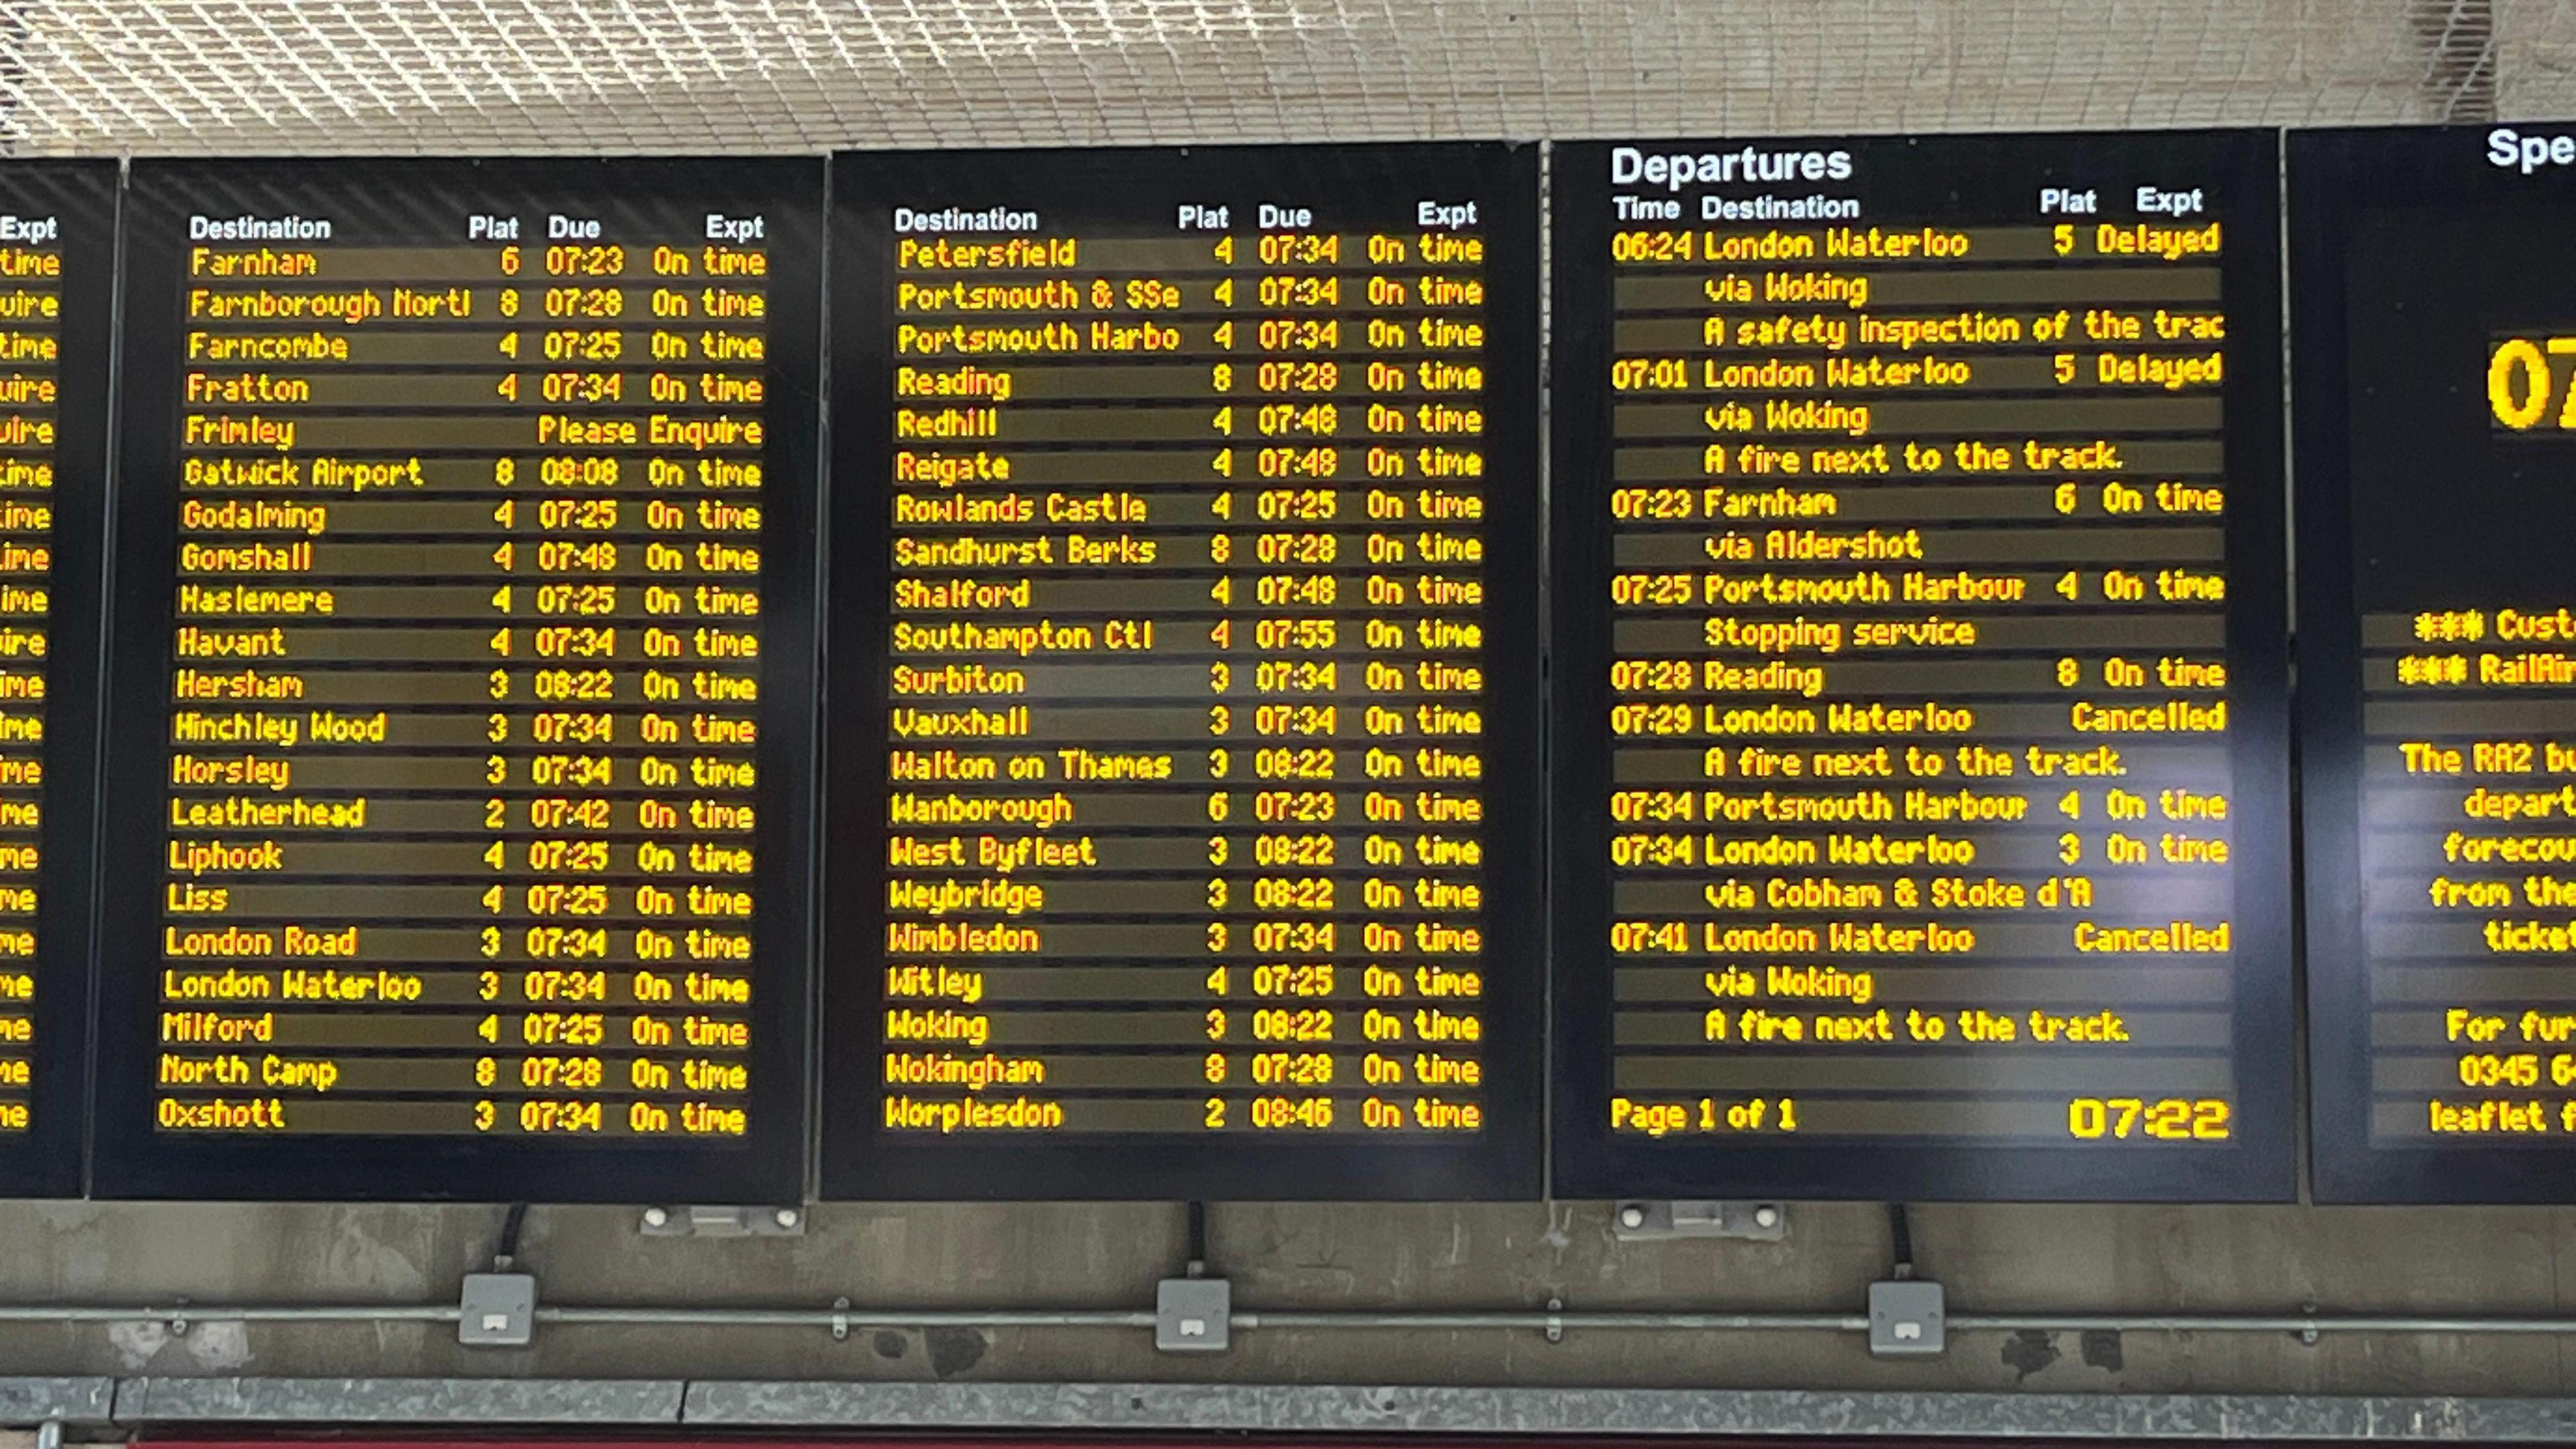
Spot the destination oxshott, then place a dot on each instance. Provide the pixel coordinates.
(1918, 666)
(478, 701)
(1918, 669)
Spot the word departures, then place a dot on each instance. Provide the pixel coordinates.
(1921, 765)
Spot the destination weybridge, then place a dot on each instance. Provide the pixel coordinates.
(949, 895)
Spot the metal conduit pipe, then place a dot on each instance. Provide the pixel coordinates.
(2252, 1323)
(1250, 1320)
(230, 1313)
(1542, 1320)
(852, 1317)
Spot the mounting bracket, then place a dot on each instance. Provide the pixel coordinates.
(722, 1222)
(1640, 1221)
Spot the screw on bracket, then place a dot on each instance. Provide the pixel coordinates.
(841, 1320)
(2308, 1334)
(1555, 1325)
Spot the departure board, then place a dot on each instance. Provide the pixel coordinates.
(1185, 836)
(2435, 351)
(57, 284)
(1920, 767)
(462, 681)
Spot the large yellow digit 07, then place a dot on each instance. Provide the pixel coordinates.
(2521, 383)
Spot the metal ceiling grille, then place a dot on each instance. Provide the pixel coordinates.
(151, 77)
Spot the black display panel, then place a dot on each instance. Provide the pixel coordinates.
(462, 677)
(1920, 767)
(57, 291)
(2434, 346)
(1184, 676)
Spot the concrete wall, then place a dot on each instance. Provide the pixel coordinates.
(1992, 1259)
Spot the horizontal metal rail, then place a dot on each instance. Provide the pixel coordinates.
(1256, 1320)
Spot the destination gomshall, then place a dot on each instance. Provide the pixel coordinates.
(462, 841)
(1197, 492)
(1904, 687)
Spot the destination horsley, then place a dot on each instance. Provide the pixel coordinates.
(463, 782)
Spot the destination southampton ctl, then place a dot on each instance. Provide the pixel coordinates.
(1912, 616)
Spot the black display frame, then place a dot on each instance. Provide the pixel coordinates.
(2336, 181)
(1940, 179)
(48, 1160)
(859, 1161)
(769, 1165)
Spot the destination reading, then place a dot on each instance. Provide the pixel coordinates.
(1922, 762)
(2438, 661)
(1184, 840)
(56, 238)
(463, 710)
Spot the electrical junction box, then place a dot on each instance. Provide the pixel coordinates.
(500, 1311)
(1905, 1318)
(1193, 1315)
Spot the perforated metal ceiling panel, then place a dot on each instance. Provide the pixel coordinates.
(386, 76)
